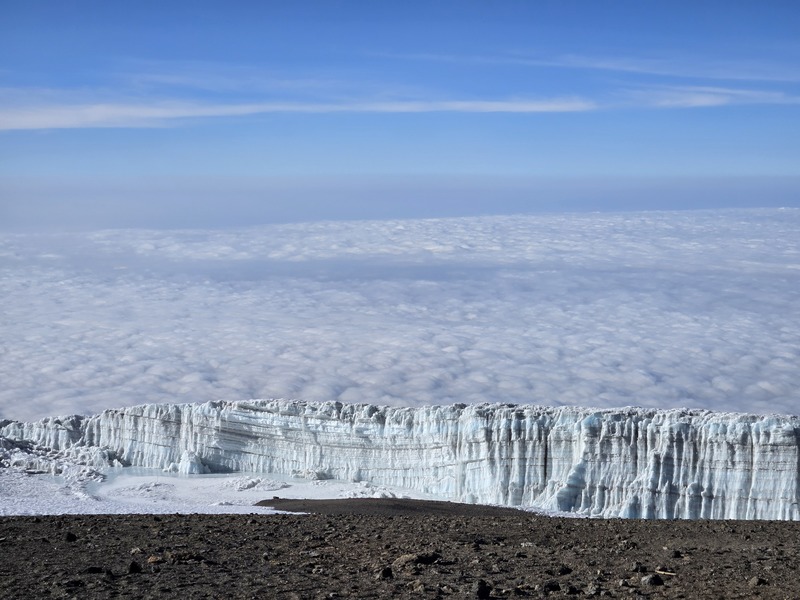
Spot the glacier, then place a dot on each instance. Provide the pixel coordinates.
(629, 462)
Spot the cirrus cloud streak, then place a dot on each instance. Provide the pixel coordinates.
(69, 116)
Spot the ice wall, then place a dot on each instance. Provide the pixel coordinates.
(627, 462)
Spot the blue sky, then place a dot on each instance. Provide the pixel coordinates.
(204, 113)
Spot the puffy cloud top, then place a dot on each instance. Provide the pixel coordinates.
(662, 310)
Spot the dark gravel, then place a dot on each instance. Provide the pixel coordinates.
(393, 549)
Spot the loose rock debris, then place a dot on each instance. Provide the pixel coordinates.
(394, 549)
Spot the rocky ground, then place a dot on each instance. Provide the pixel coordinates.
(393, 549)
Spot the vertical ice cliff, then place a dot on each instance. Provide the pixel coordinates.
(627, 462)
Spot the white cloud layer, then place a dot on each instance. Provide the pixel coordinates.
(650, 309)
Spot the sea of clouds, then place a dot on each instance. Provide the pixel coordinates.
(654, 309)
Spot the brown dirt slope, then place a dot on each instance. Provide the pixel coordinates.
(393, 549)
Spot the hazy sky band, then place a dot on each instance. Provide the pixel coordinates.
(181, 201)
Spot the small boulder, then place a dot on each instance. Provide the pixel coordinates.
(481, 589)
(654, 579)
(551, 586)
(410, 560)
(404, 560)
(638, 567)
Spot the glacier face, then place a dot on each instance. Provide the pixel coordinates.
(637, 463)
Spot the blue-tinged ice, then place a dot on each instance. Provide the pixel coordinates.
(631, 462)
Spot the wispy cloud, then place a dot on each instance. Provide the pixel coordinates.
(143, 114)
(167, 94)
(222, 78)
(746, 70)
(159, 114)
(743, 70)
(705, 96)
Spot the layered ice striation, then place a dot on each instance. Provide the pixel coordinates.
(637, 463)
